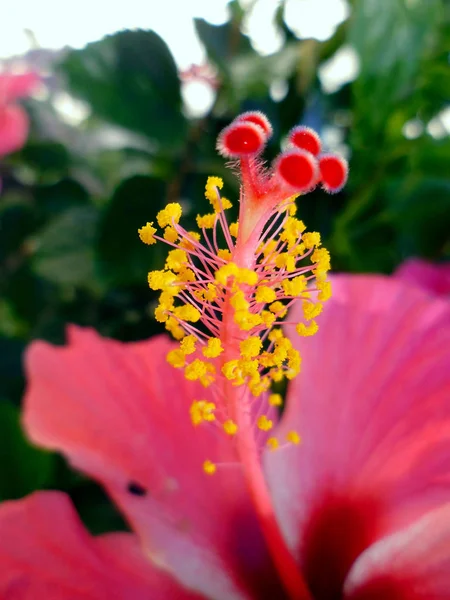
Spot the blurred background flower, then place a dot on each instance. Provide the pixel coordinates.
(122, 124)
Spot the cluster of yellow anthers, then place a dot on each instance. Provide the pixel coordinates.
(226, 312)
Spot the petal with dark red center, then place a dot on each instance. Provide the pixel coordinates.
(372, 406)
(412, 564)
(433, 277)
(45, 552)
(121, 414)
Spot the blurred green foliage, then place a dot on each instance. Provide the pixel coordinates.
(74, 197)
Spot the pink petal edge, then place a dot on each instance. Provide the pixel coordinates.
(434, 277)
(47, 553)
(372, 405)
(120, 413)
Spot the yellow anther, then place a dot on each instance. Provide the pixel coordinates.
(238, 301)
(230, 427)
(247, 320)
(311, 239)
(277, 375)
(259, 387)
(186, 275)
(321, 256)
(325, 290)
(225, 203)
(176, 358)
(234, 228)
(229, 369)
(226, 271)
(265, 294)
(196, 370)
(170, 214)
(162, 280)
(175, 329)
(250, 347)
(294, 287)
(176, 260)
(294, 362)
(307, 330)
(147, 234)
(275, 400)
(275, 334)
(206, 221)
(311, 310)
(170, 234)
(188, 242)
(225, 254)
(211, 184)
(213, 348)
(268, 318)
(187, 313)
(264, 423)
(266, 359)
(209, 467)
(187, 344)
(293, 437)
(161, 314)
(273, 443)
(210, 293)
(247, 276)
(279, 309)
(201, 410)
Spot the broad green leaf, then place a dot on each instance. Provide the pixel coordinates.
(64, 251)
(130, 79)
(123, 257)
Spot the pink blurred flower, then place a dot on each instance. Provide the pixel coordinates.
(435, 277)
(363, 502)
(13, 119)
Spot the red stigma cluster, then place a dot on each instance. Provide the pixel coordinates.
(299, 169)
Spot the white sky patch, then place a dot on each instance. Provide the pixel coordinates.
(259, 25)
(342, 68)
(315, 18)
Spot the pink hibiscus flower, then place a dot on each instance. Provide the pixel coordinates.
(347, 495)
(13, 119)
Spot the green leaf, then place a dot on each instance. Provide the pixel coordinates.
(130, 79)
(391, 37)
(23, 468)
(65, 248)
(11, 375)
(123, 257)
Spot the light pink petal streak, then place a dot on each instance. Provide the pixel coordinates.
(46, 552)
(434, 277)
(372, 405)
(13, 128)
(120, 413)
(412, 564)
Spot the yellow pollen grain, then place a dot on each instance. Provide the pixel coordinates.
(206, 221)
(311, 239)
(187, 313)
(213, 348)
(250, 347)
(265, 294)
(170, 214)
(209, 467)
(187, 241)
(293, 437)
(226, 271)
(176, 260)
(224, 253)
(311, 310)
(234, 228)
(170, 234)
(275, 400)
(196, 370)
(247, 276)
(187, 344)
(278, 309)
(230, 427)
(273, 443)
(176, 358)
(264, 423)
(307, 330)
(147, 234)
(325, 290)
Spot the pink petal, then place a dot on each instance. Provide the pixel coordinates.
(17, 86)
(372, 405)
(432, 277)
(13, 128)
(121, 414)
(412, 564)
(47, 553)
